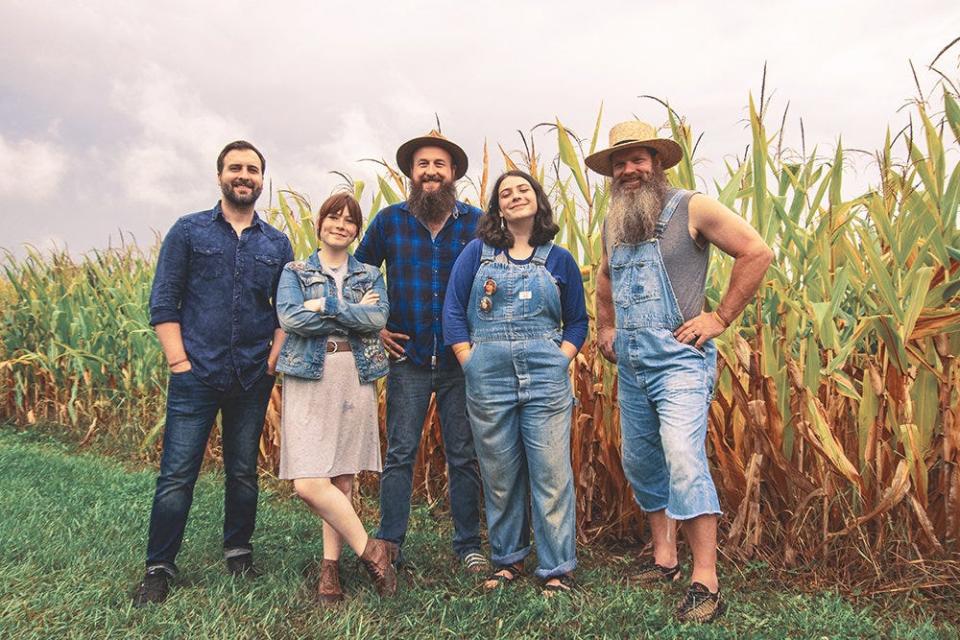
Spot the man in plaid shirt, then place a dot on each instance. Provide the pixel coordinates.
(420, 240)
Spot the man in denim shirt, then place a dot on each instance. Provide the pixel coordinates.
(420, 240)
(213, 308)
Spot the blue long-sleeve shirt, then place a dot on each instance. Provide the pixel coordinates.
(221, 289)
(561, 266)
(418, 268)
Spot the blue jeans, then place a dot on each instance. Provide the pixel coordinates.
(409, 388)
(192, 407)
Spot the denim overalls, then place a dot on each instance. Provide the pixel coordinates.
(665, 386)
(519, 401)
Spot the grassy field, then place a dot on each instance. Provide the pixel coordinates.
(72, 534)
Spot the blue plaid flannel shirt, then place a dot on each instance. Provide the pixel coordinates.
(418, 268)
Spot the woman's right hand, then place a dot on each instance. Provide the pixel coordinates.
(370, 297)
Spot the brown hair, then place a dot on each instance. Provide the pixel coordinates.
(240, 145)
(493, 230)
(335, 204)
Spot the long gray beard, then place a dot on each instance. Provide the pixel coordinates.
(633, 213)
(432, 207)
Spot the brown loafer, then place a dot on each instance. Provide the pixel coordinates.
(329, 592)
(378, 559)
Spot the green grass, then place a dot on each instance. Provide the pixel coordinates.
(72, 536)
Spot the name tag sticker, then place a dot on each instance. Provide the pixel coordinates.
(525, 295)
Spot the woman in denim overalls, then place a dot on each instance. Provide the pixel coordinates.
(515, 317)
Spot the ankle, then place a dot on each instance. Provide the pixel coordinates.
(665, 559)
(707, 579)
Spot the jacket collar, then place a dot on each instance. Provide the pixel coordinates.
(353, 265)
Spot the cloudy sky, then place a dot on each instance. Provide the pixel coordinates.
(112, 113)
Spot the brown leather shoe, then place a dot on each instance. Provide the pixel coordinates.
(377, 559)
(328, 589)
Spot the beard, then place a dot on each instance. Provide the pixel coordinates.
(633, 212)
(432, 207)
(237, 200)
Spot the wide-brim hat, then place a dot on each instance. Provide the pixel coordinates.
(432, 139)
(630, 134)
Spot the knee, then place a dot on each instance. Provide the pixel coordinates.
(309, 489)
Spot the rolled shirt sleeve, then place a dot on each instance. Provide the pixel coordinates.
(170, 278)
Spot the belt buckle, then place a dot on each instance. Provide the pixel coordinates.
(336, 346)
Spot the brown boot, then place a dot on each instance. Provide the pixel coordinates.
(328, 588)
(377, 559)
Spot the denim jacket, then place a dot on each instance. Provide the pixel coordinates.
(305, 348)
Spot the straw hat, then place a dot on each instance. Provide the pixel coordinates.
(628, 135)
(432, 139)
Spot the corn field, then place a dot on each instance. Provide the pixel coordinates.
(835, 431)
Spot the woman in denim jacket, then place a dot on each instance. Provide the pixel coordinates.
(332, 307)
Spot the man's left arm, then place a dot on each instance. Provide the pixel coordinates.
(718, 225)
(279, 335)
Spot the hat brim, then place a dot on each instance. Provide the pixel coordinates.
(408, 148)
(668, 151)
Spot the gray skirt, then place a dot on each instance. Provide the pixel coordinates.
(329, 427)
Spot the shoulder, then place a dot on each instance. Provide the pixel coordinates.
(469, 213)
(388, 214)
(274, 234)
(371, 271)
(295, 266)
(471, 252)
(560, 255)
(198, 218)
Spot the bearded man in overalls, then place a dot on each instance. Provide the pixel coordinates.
(651, 322)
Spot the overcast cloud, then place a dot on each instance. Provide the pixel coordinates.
(112, 113)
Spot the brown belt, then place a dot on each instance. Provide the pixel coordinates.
(335, 346)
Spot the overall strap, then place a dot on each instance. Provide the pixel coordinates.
(668, 210)
(540, 254)
(487, 254)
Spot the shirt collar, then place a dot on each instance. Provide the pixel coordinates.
(353, 265)
(217, 212)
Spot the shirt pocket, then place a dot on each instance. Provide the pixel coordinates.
(265, 271)
(207, 262)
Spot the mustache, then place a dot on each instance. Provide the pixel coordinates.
(431, 177)
(243, 182)
(645, 178)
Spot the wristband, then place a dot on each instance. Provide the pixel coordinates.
(722, 320)
(173, 364)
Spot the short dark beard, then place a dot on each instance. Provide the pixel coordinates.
(432, 207)
(633, 213)
(227, 189)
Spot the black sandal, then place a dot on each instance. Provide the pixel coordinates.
(497, 578)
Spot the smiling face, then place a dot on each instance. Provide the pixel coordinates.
(338, 230)
(517, 199)
(241, 179)
(632, 166)
(431, 168)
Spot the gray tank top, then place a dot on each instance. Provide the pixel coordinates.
(685, 262)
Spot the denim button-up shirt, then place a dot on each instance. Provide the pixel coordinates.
(305, 348)
(220, 288)
(418, 268)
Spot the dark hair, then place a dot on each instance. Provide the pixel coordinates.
(494, 232)
(240, 145)
(335, 204)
